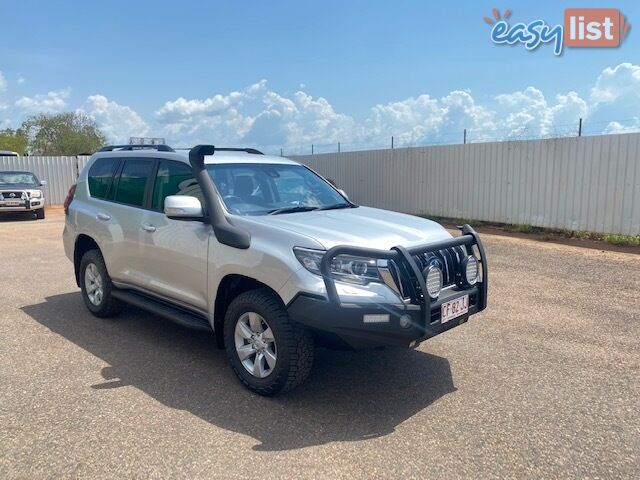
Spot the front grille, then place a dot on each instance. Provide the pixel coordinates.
(448, 260)
(7, 194)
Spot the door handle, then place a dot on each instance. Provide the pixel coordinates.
(103, 216)
(147, 227)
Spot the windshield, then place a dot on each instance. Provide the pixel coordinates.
(15, 178)
(261, 189)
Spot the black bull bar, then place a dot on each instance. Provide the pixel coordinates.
(409, 269)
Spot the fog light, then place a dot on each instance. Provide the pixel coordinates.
(471, 270)
(405, 321)
(376, 318)
(433, 280)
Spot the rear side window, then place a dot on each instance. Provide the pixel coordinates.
(133, 182)
(174, 178)
(101, 176)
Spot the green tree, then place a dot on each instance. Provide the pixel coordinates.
(14, 140)
(62, 134)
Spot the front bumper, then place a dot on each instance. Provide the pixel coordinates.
(410, 321)
(23, 206)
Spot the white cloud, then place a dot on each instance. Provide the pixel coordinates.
(21, 79)
(217, 118)
(528, 113)
(301, 119)
(615, 100)
(3, 83)
(117, 122)
(259, 116)
(408, 120)
(54, 101)
(622, 81)
(423, 119)
(631, 125)
(567, 108)
(4, 123)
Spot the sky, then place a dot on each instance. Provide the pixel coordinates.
(287, 74)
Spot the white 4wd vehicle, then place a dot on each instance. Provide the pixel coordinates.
(21, 192)
(267, 254)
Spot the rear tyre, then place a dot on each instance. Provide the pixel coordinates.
(40, 213)
(268, 352)
(96, 286)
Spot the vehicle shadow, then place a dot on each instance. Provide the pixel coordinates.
(17, 216)
(348, 397)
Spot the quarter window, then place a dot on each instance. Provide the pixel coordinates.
(174, 178)
(133, 181)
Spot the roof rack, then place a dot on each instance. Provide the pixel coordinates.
(229, 149)
(248, 150)
(160, 148)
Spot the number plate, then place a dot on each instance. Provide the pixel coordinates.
(8, 203)
(454, 308)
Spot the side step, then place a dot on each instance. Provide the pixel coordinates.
(162, 309)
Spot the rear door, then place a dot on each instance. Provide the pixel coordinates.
(127, 199)
(174, 252)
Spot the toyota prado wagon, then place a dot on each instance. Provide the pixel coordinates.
(266, 253)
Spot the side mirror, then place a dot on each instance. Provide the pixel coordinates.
(343, 193)
(181, 206)
(43, 183)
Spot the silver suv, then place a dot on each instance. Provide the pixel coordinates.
(267, 254)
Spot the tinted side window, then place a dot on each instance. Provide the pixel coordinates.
(132, 182)
(174, 178)
(101, 176)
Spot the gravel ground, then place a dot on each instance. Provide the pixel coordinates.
(543, 384)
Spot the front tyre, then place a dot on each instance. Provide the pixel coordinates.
(40, 214)
(268, 352)
(96, 286)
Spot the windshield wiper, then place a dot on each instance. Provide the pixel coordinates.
(297, 208)
(336, 206)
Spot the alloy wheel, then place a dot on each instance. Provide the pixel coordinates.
(93, 284)
(255, 344)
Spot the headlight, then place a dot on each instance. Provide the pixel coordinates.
(352, 269)
(470, 266)
(433, 281)
(346, 268)
(310, 259)
(36, 194)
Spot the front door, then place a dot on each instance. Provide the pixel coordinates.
(175, 251)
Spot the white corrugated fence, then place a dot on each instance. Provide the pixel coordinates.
(581, 183)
